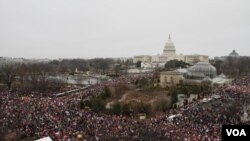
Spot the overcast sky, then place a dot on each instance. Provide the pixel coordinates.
(122, 28)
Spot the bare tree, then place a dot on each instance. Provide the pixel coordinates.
(117, 69)
(21, 72)
(8, 73)
(33, 73)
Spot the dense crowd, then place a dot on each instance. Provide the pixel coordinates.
(42, 92)
(62, 119)
(203, 120)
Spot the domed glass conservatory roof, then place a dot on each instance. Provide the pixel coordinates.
(202, 69)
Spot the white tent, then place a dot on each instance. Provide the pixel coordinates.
(44, 139)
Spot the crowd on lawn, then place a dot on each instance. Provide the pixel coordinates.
(61, 118)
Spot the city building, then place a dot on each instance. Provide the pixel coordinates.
(200, 72)
(170, 78)
(145, 65)
(169, 48)
(233, 54)
(142, 58)
(193, 59)
(169, 53)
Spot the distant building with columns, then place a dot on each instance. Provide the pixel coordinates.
(169, 53)
(233, 55)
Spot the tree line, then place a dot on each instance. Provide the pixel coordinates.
(36, 74)
(233, 67)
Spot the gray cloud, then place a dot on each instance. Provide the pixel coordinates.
(113, 28)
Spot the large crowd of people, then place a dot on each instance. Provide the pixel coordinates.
(203, 120)
(62, 119)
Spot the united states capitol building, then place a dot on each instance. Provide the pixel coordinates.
(169, 53)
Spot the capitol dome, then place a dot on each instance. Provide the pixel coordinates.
(234, 54)
(169, 43)
(169, 48)
(202, 69)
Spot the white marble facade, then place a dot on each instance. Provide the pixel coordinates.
(169, 53)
